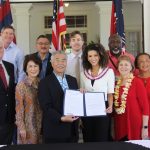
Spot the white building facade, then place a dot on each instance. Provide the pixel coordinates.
(29, 22)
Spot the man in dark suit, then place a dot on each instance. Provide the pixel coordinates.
(7, 99)
(56, 126)
(42, 47)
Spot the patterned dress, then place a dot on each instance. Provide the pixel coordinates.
(28, 112)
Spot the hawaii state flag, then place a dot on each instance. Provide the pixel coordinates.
(5, 14)
(58, 26)
(117, 21)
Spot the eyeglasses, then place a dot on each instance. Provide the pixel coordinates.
(46, 44)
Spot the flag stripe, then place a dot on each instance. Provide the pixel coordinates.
(5, 14)
(4, 9)
(58, 25)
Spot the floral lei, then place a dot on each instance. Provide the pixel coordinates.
(120, 109)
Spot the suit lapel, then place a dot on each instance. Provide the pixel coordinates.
(48, 68)
(2, 84)
(70, 85)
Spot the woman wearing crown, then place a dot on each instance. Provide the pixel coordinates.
(130, 104)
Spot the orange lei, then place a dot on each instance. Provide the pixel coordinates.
(120, 109)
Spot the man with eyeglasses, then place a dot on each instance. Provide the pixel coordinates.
(42, 47)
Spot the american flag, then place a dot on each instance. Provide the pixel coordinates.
(117, 21)
(58, 26)
(5, 14)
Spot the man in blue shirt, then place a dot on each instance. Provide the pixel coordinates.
(42, 47)
(12, 53)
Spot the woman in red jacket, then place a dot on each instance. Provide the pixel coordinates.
(142, 62)
(130, 104)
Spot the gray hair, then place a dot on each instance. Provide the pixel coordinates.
(58, 52)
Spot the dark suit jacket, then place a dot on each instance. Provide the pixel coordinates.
(51, 100)
(7, 97)
(49, 68)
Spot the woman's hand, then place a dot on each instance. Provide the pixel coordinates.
(83, 90)
(68, 118)
(110, 103)
(23, 136)
(109, 109)
(144, 133)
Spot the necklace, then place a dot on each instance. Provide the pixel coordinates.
(120, 108)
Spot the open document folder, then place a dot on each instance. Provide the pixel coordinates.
(84, 104)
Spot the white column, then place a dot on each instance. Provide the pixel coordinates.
(21, 16)
(146, 7)
(105, 21)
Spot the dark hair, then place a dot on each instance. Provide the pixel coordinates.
(7, 27)
(114, 36)
(72, 34)
(43, 36)
(99, 48)
(28, 58)
(137, 57)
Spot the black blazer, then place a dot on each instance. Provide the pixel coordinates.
(49, 68)
(51, 100)
(7, 97)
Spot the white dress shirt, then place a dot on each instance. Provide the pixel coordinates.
(71, 66)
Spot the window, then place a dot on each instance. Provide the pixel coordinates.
(133, 42)
(48, 21)
(76, 21)
(71, 21)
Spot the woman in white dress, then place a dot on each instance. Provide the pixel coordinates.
(97, 77)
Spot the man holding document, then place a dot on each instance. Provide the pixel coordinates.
(98, 79)
(56, 126)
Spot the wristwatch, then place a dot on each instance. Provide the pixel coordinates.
(145, 127)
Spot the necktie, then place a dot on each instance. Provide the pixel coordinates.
(2, 76)
(77, 69)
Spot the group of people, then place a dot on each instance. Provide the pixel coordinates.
(32, 90)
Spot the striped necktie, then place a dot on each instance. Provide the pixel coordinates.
(77, 69)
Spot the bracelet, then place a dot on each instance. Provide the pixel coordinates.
(145, 127)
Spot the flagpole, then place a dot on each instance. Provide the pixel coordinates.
(143, 46)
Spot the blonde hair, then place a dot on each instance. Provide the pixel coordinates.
(127, 58)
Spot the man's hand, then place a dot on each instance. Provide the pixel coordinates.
(69, 118)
